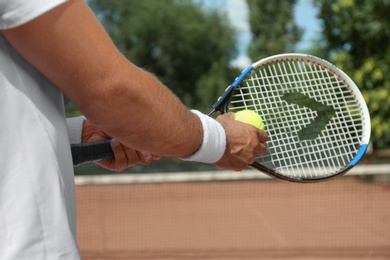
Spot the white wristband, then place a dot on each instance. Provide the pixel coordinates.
(214, 141)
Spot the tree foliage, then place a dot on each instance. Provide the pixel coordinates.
(273, 27)
(357, 35)
(186, 47)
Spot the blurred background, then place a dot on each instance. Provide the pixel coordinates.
(176, 210)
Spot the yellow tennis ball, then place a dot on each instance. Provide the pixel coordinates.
(250, 117)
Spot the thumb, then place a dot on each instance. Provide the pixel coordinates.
(229, 115)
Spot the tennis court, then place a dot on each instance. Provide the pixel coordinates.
(222, 215)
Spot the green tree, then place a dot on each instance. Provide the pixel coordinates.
(186, 47)
(357, 36)
(273, 28)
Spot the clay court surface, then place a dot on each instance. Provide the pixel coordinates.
(345, 218)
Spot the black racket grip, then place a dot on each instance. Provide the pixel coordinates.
(91, 152)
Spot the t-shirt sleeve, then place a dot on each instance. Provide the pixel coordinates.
(75, 129)
(14, 13)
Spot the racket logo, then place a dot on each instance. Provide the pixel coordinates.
(324, 114)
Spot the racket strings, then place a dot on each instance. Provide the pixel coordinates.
(310, 114)
(340, 96)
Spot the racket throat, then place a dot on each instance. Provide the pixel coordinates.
(222, 103)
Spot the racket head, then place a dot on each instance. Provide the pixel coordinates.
(315, 116)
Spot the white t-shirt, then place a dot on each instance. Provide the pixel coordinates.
(37, 198)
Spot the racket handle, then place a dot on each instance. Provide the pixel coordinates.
(91, 152)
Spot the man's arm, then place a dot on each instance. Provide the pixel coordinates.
(70, 47)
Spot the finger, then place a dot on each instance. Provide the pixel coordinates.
(263, 136)
(156, 157)
(229, 115)
(92, 133)
(119, 162)
(144, 158)
(251, 159)
(237, 166)
(261, 150)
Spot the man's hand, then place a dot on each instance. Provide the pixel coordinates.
(125, 157)
(244, 143)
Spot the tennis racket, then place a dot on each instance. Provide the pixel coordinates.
(315, 116)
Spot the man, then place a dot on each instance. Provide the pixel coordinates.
(50, 47)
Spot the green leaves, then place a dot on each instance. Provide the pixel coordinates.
(178, 41)
(273, 27)
(357, 33)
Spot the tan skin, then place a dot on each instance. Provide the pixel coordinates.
(70, 47)
(124, 157)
